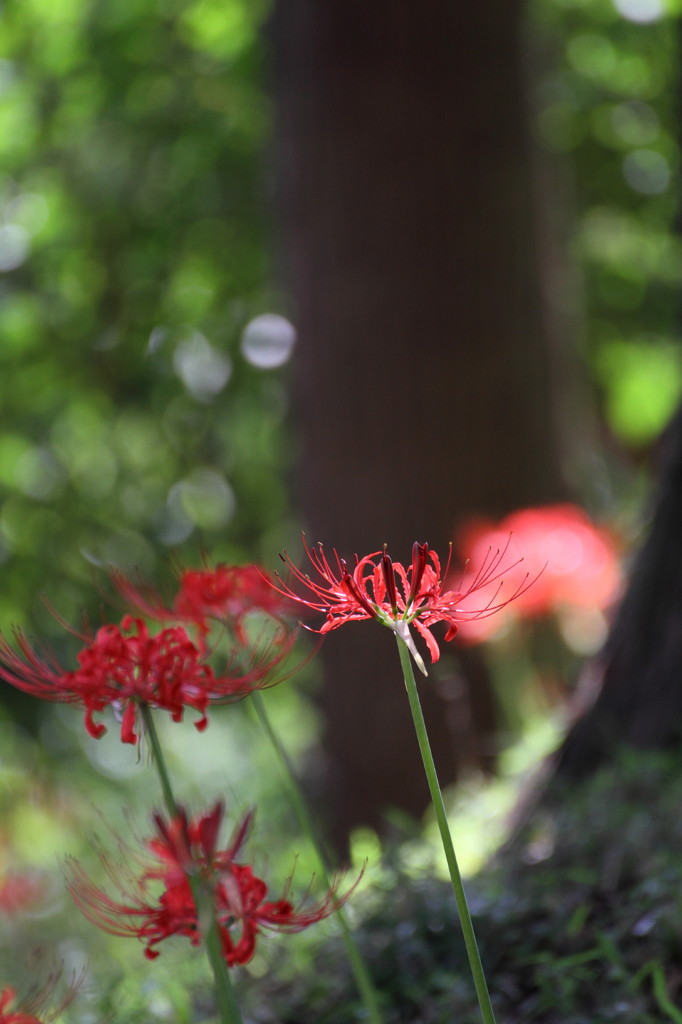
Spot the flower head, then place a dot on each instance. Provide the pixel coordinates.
(580, 573)
(36, 1001)
(159, 901)
(21, 891)
(228, 593)
(125, 666)
(7, 1015)
(398, 597)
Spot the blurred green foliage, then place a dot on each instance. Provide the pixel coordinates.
(133, 185)
(608, 107)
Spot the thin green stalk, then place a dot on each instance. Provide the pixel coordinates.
(441, 817)
(159, 761)
(225, 997)
(357, 963)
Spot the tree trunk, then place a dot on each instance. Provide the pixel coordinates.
(639, 676)
(422, 389)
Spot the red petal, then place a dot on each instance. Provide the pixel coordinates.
(128, 734)
(96, 729)
(427, 635)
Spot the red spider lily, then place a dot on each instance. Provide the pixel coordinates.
(379, 588)
(580, 562)
(228, 593)
(7, 997)
(182, 848)
(127, 666)
(21, 891)
(36, 1002)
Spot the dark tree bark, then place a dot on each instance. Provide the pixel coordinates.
(422, 381)
(639, 676)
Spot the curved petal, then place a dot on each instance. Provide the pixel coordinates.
(426, 634)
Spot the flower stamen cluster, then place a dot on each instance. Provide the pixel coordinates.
(126, 666)
(35, 1002)
(7, 1016)
(399, 597)
(159, 902)
(226, 594)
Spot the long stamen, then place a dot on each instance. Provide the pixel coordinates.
(349, 584)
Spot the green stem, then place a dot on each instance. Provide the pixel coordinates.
(159, 761)
(441, 817)
(357, 963)
(225, 997)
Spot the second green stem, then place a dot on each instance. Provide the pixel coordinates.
(358, 966)
(225, 997)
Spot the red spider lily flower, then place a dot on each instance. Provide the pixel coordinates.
(580, 561)
(35, 1002)
(125, 666)
(228, 593)
(7, 997)
(379, 588)
(21, 891)
(159, 902)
